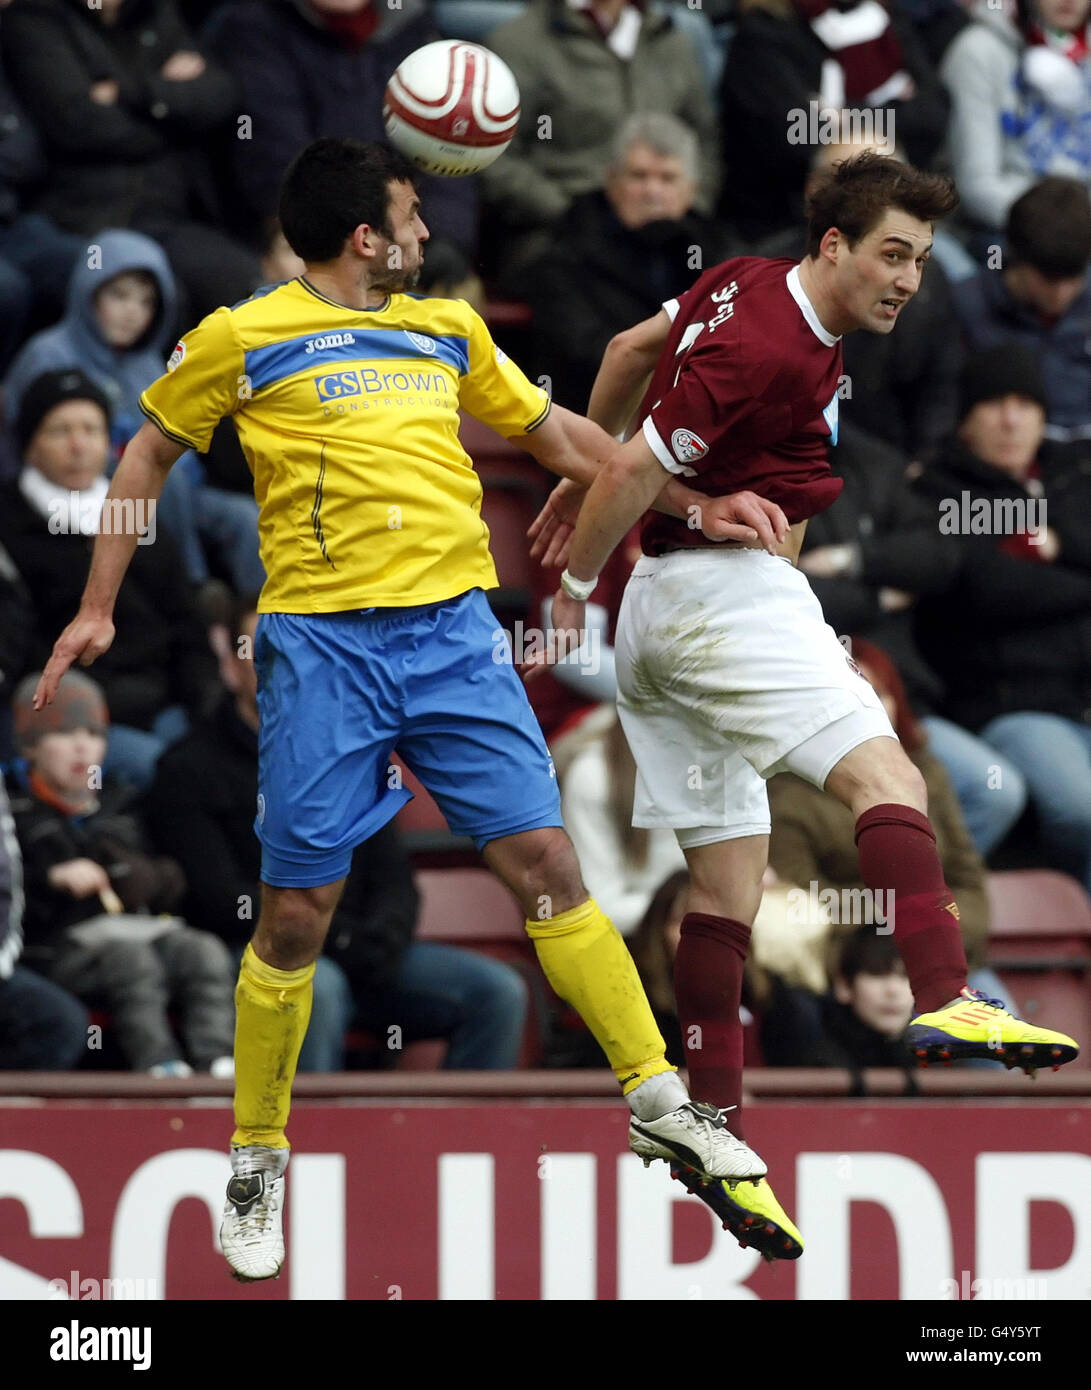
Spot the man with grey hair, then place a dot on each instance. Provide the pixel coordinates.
(625, 248)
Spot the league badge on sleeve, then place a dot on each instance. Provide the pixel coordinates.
(177, 357)
(688, 446)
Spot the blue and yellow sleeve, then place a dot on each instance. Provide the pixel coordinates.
(204, 381)
(495, 391)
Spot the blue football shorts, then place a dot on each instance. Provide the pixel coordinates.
(338, 692)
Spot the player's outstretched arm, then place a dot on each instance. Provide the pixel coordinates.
(139, 478)
(627, 366)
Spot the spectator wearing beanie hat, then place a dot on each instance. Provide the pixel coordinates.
(1040, 298)
(159, 668)
(1012, 637)
(97, 906)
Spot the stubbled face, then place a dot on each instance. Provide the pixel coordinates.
(883, 1002)
(1063, 14)
(876, 278)
(1005, 432)
(125, 308)
(71, 445)
(649, 187)
(397, 266)
(64, 761)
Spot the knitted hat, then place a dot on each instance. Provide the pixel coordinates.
(78, 704)
(1008, 370)
(50, 389)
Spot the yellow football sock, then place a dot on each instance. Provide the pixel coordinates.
(272, 1010)
(588, 964)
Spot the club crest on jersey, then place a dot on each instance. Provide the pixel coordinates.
(177, 357)
(830, 417)
(688, 446)
(420, 340)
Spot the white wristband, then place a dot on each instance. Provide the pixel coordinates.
(579, 589)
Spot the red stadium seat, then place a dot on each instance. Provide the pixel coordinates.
(1040, 946)
(468, 907)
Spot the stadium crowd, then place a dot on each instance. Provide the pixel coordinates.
(141, 147)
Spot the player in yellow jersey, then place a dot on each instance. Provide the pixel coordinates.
(374, 632)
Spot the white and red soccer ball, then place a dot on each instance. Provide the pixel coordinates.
(451, 107)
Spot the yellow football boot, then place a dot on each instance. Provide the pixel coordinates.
(977, 1026)
(747, 1208)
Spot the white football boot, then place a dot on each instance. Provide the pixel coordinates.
(251, 1235)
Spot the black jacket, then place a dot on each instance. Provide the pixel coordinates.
(774, 66)
(22, 159)
(112, 836)
(298, 82)
(600, 278)
(903, 383)
(112, 165)
(899, 547)
(201, 811)
(1013, 634)
(160, 655)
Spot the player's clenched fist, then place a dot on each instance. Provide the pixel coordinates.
(84, 640)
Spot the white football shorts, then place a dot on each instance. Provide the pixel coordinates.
(727, 674)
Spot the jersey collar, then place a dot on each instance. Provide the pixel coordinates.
(806, 308)
(349, 308)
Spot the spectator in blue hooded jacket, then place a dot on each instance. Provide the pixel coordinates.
(118, 327)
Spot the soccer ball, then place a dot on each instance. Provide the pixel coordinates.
(451, 107)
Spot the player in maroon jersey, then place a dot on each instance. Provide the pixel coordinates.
(727, 672)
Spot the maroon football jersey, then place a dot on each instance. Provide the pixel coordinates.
(744, 396)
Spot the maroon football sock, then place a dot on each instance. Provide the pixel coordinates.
(897, 849)
(708, 972)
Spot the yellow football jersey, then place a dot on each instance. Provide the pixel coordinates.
(348, 419)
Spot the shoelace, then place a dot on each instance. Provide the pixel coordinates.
(253, 1225)
(981, 998)
(716, 1125)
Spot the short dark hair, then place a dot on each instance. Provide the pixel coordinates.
(331, 187)
(857, 192)
(865, 952)
(1049, 228)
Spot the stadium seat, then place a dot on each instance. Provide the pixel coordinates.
(1040, 946)
(429, 839)
(468, 907)
(507, 509)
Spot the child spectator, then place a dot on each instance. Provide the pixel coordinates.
(98, 908)
(118, 327)
(1020, 85)
(860, 1023)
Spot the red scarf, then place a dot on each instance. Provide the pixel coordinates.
(867, 65)
(1072, 46)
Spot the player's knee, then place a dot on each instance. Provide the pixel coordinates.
(293, 926)
(551, 872)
